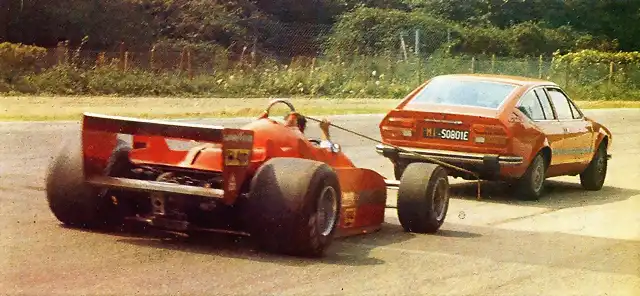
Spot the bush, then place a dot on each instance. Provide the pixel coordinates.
(359, 77)
(588, 57)
(485, 41)
(17, 60)
(375, 31)
(593, 68)
(524, 39)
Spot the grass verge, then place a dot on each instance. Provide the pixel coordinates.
(41, 108)
(71, 108)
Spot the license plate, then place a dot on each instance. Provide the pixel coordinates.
(445, 133)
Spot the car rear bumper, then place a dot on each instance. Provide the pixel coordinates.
(487, 165)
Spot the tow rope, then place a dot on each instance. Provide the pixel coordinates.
(478, 197)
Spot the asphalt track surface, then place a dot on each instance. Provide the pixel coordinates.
(572, 242)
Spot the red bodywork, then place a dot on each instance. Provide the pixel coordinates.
(494, 139)
(236, 154)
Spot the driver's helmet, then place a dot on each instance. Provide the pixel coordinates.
(301, 121)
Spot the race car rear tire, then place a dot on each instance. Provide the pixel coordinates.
(423, 198)
(592, 178)
(282, 210)
(71, 200)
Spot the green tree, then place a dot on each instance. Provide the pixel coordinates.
(615, 19)
(372, 31)
(4, 20)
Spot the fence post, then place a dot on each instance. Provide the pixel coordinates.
(244, 49)
(126, 61)
(100, 60)
(313, 64)
(417, 49)
(59, 53)
(403, 47)
(62, 51)
(473, 65)
(493, 63)
(566, 74)
(66, 51)
(189, 67)
(182, 55)
(152, 58)
(122, 56)
(253, 52)
(540, 67)
(420, 70)
(610, 73)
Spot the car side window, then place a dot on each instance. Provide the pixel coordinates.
(561, 104)
(574, 110)
(530, 106)
(546, 105)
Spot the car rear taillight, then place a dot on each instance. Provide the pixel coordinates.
(489, 129)
(396, 132)
(401, 122)
(490, 134)
(398, 127)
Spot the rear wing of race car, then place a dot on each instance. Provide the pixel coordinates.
(100, 137)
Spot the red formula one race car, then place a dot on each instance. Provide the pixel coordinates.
(514, 129)
(266, 180)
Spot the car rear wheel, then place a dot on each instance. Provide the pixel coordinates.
(532, 184)
(71, 200)
(294, 206)
(594, 175)
(423, 198)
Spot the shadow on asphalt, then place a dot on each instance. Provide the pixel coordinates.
(548, 249)
(559, 194)
(347, 251)
(241, 247)
(541, 248)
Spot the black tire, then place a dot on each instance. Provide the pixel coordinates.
(282, 208)
(531, 185)
(423, 198)
(119, 165)
(594, 175)
(72, 201)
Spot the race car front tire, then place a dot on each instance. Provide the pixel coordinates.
(294, 206)
(423, 197)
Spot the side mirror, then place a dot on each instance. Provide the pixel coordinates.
(335, 148)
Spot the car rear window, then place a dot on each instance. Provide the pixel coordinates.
(452, 91)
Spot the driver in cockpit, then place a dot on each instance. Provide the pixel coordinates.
(324, 127)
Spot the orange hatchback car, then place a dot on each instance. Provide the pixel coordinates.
(504, 128)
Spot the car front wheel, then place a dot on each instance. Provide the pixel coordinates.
(593, 176)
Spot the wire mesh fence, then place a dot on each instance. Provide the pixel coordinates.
(300, 54)
(202, 62)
